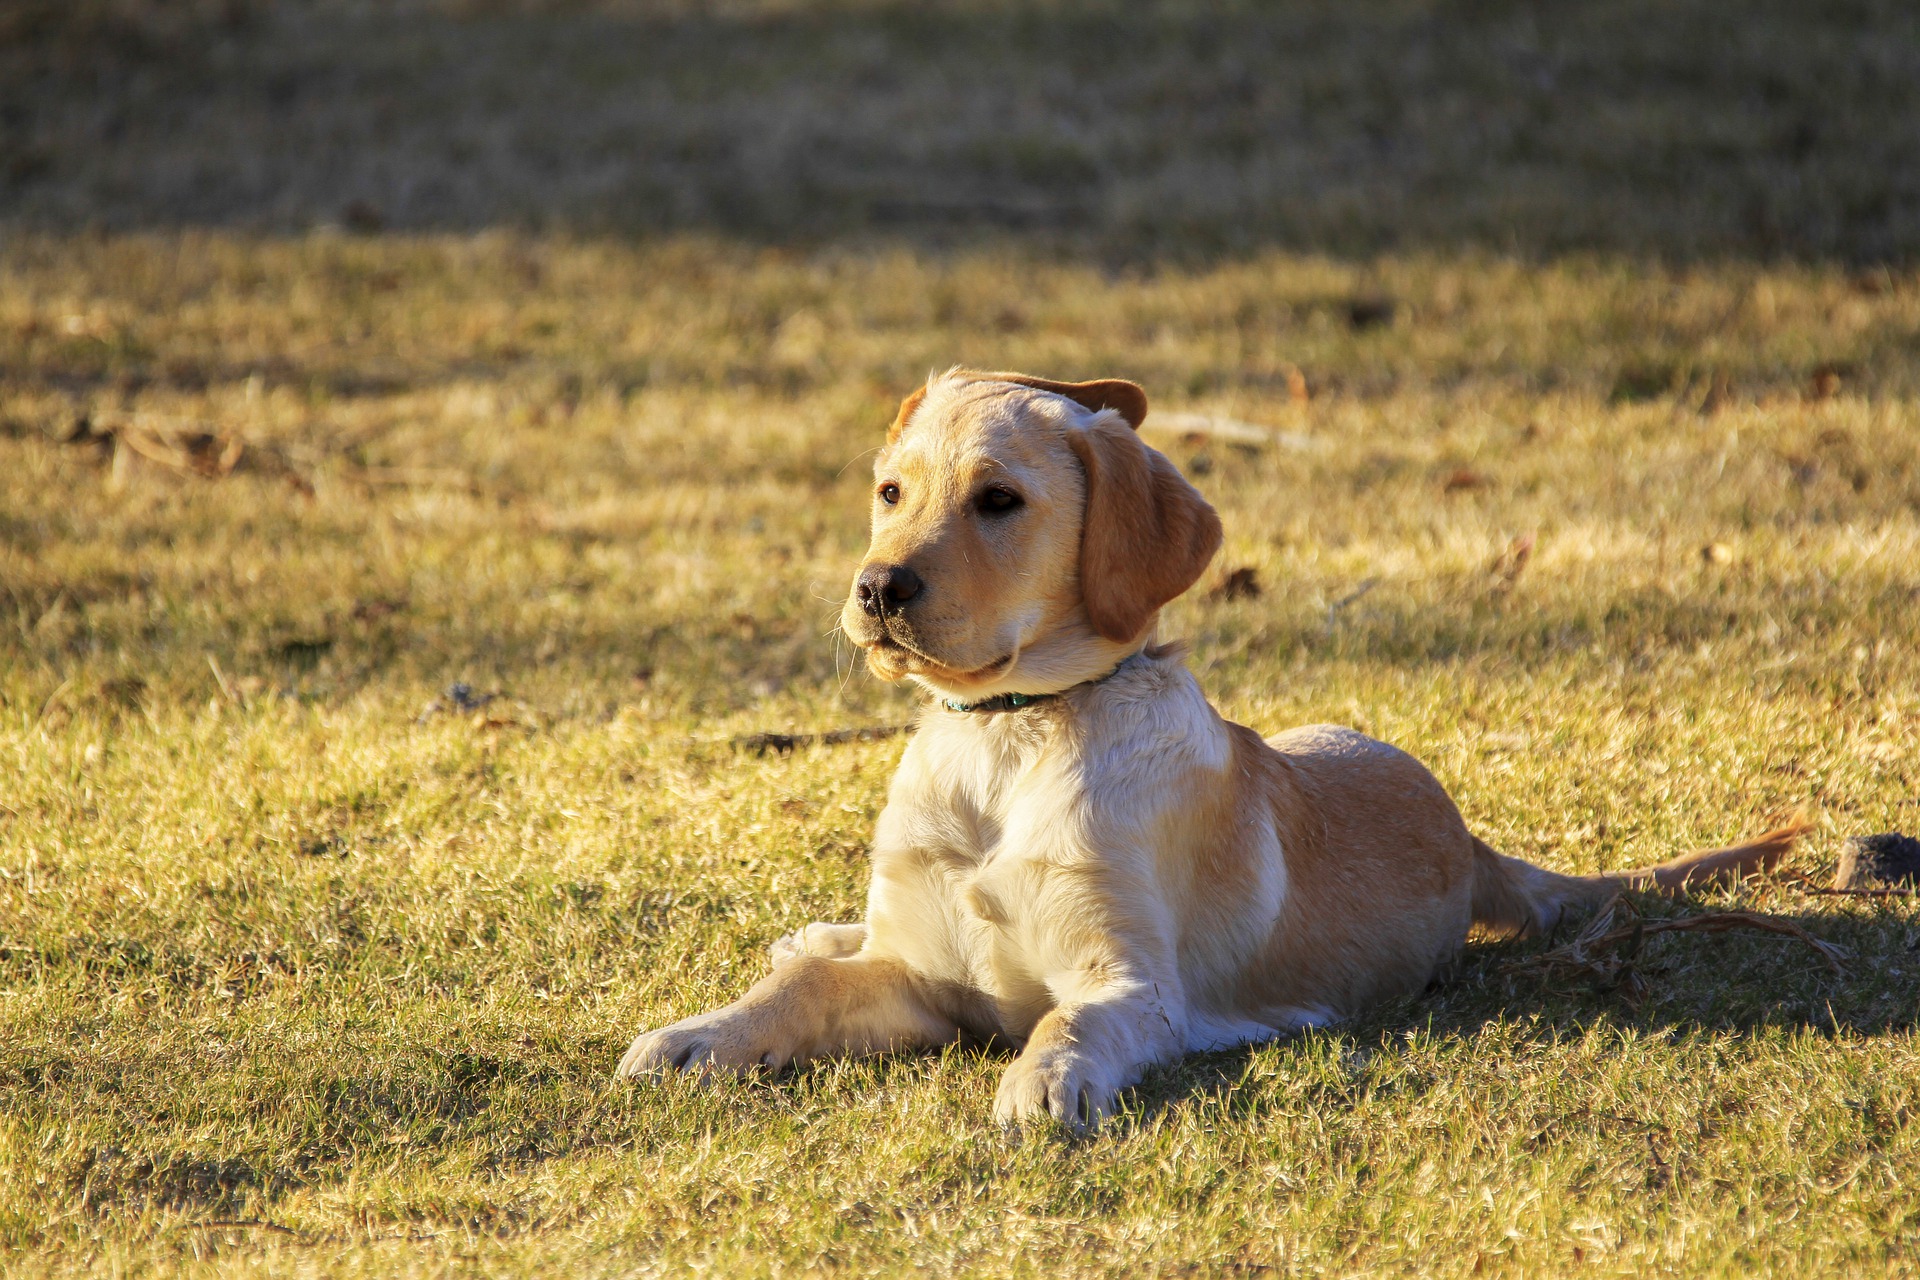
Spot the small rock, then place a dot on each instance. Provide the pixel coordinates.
(1886, 861)
(460, 698)
(463, 698)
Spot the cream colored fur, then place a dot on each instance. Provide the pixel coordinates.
(1115, 876)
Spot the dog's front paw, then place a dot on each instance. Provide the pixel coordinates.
(1057, 1082)
(724, 1041)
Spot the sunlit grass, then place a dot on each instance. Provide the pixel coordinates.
(297, 972)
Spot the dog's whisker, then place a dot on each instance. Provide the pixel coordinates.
(864, 453)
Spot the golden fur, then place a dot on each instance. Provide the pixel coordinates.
(1112, 876)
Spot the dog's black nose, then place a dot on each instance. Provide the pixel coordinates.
(883, 588)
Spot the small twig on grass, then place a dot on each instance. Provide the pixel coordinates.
(53, 698)
(1598, 952)
(415, 478)
(220, 677)
(331, 1237)
(761, 743)
(1334, 610)
(260, 1223)
(1725, 921)
(1861, 893)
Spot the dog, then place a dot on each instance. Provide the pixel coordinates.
(1078, 856)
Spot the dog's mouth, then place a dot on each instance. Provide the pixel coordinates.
(898, 658)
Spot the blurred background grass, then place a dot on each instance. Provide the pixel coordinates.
(1553, 368)
(1666, 128)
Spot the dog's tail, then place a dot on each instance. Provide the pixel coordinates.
(1516, 899)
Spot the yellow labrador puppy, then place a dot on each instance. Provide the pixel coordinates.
(1078, 855)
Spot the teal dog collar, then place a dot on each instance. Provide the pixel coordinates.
(1015, 701)
(1003, 702)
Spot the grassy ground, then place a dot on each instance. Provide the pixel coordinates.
(283, 945)
(308, 966)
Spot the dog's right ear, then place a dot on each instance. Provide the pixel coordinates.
(907, 407)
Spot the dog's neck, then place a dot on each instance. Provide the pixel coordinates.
(1002, 703)
(1065, 655)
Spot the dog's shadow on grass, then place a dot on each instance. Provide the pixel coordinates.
(1675, 986)
(1671, 986)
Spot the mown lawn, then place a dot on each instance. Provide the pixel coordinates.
(310, 964)
(304, 970)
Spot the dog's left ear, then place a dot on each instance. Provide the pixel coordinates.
(1147, 535)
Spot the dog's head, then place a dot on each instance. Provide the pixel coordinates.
(1024, 537)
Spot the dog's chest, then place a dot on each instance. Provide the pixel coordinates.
(953, 870)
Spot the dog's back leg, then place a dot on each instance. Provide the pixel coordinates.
(831, 941)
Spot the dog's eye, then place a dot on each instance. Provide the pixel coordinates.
(999, 500)
(889, 493)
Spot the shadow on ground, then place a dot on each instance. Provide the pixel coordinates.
(1691, 987)
(1138, 132)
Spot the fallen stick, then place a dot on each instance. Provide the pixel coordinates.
(761, 743)
(1598, 952)
(1863, 893)
(1726, 921)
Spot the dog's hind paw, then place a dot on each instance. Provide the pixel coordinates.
(829, 941)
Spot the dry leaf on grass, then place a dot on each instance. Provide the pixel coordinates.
(201, 453)
(1370, 310)
(1510, 564)
(1239, 584)
(183, 448)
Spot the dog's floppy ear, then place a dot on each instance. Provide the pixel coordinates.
(1147, 535)
(1125, 398)
(907, 407)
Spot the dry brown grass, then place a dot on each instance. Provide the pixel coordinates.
(279, 948)
(308, 966)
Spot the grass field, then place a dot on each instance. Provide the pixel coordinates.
(310, 966)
